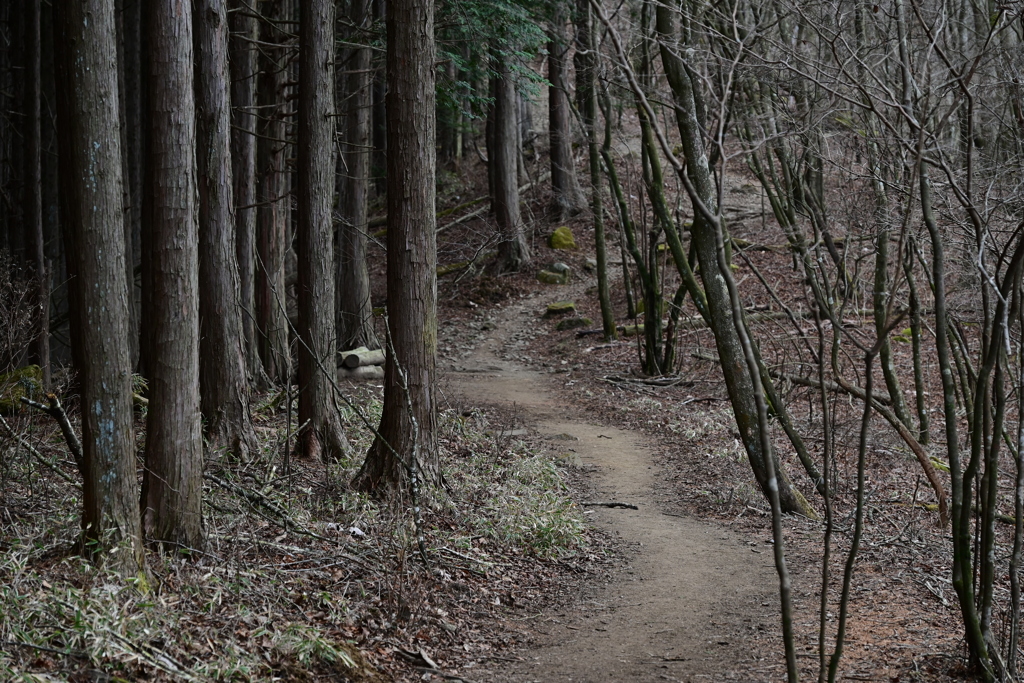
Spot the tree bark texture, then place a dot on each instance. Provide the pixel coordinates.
(134, 154)
(33, 192)
(12, 157)
(322, 436)
(91, 214)
(7, 137)
(378, 158)
(513, 250)
(272, 215)
(355, 312)
(738, 380)
(224, 389)
(567, 198)
(172, 485)
(243, 66)
(587, 87)
(409, 419)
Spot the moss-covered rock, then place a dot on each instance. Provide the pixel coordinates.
(560, 308)
(562, 238)
(551, 278)
(574, 323)
(632, 330)
(559, 267)
(24, 382)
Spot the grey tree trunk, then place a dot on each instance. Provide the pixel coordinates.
(272, 215)
(513, 250)
(242, 62)
(91, 213)
(586, 81)
(173, 482)
(355, 312)
(224, 390)
(323, 436)
(738, 380)
(409, 420)
(567, 198)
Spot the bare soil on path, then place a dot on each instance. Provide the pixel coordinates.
(689, 599)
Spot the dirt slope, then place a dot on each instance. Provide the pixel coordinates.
(691, 596)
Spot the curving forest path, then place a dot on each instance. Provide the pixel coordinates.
(689, 596)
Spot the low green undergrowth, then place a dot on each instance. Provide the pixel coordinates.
(300, 577)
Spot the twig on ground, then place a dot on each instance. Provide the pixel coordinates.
(649, 381)
(35, 454)
(442, 674)
(287, 522)
(43, 648)
(56, 411)
(628, 506)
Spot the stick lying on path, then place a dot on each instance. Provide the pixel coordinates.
(628, 506)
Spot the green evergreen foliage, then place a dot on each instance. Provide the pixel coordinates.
(472, 33)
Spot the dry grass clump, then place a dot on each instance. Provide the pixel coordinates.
(301, 579)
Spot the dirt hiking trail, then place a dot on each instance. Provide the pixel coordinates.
(685, 601)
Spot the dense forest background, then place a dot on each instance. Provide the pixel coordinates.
(206, 204)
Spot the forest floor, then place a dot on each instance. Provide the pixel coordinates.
(686, 597)
(692, 593)
(303, 579)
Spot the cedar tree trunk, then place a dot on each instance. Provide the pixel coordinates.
(134, 154)
(244, 31)
(33, 198)
(272, 214)
(513, 251)
(567, 199)
(91, 214)
(173, 482)
(355, 317)
(224, 390)
(409, 420)
(322, 435)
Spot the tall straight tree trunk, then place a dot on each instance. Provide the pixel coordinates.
(15, 46)
(272, 216)
(378, 159)
(173, 482)
(447, 122)
(567, 198)
(355, 313)
(409, 420)
(33, 196)
(587, 93)
(244, 32)
(322, 436)
(134, 154)
(224, 391)
(513, 251)
(91, 213)
(7, 134)
(49, 154)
